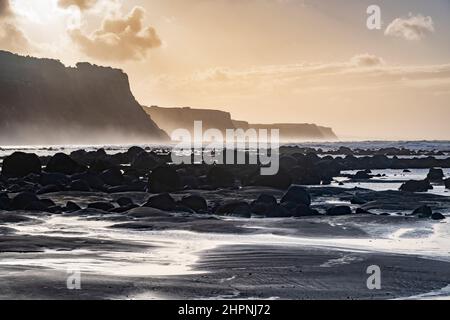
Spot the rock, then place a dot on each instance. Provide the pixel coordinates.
(71, 207)
(133, 152)
(219, 177)
(437, 216)
(80, 185)
(406, 171)
(51, 188)
(435, 175)
(124, 208)
(101, 165)
(112, 177)
(59, 179)
(164, 179)
(297, 195)
(423, 212)
(305, 211)
(361, 211)
(23, 200)
(124, 201)
(62, 163)
(357, 200)
(416, 186)
(162, 201)
(19, 165)
(235, 208)
(288, 162)
(5, 202)
(362, 175)
(306, 176)
(195, 202)
(266, 205)
(144, 162)
(447, 183)
(92, 179)
(339, 211)
(103, 206)
(282, 180)
(267, 199)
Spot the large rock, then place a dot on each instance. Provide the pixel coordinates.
(164, 179)
(220, 177)
(144, 162)
(297, 195)
(195, 202)
(447, 183)
(416, 186)
(62, 163)
(339, 211)
(163, 202)
(235, 208)
(112, 177)
(435, 175)
(282, 180)
(24, 200)
(423, 212)
(20, 164)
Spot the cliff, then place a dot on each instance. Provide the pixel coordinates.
(294, 132)
(170, 119)
(44, 102)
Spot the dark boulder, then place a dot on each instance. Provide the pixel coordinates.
(282, 180)
(305, 211)
(59, 179)
(416, 186)
(19, 165)
(112, 177)
(235, 208)
(51, 188)
(423, 212)
(133, 152)
(162, 201)
(124, 201)
(219, 177)
(288, 162)
(195, 202)
(80, 185)
(435, 175)
(71, 207)
(92, 179)
(297, 195)
(266, 205)
(144, 162)
(437, 216)
(339, 211)
(103, 206)
(23, 200)
(164, 179)
(362, 175)
(62, 163)
(447, 183)
(5, 202)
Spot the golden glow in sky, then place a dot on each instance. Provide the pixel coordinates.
(262, 60)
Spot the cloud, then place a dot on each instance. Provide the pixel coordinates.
(411, 28)
(367, 60)
(81, 4)
(5, 9)
(12, 37)
(119, 39)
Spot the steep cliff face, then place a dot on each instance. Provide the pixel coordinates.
(171, 119)
(290, 132)
(44, 102)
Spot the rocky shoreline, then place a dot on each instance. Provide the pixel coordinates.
(140, 191)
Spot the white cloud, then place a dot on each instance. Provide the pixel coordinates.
(415, 27)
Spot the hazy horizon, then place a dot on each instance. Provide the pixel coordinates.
(267, 61)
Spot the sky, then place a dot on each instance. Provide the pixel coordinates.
(265, 61)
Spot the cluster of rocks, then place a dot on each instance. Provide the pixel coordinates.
(435, 176)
